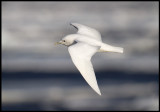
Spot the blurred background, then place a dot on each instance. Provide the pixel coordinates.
(36, 75)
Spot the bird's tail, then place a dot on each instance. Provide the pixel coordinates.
(109, 48)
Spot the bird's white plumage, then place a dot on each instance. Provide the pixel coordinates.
(81, 54)
(88, 43)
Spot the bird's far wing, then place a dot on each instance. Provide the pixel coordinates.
(81, 54)
(85, 30)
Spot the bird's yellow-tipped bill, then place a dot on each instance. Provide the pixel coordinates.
(56, 43)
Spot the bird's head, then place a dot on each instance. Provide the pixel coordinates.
(67, 40)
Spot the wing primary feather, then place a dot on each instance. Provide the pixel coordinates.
(81, 54)
(85, 30)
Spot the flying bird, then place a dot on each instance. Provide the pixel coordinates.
(82, 46)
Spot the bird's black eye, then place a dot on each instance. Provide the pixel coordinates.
(64, 41)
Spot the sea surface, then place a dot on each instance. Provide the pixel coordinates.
(69, 91)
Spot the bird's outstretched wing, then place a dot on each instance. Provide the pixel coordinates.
(85, 30)
(81, 55)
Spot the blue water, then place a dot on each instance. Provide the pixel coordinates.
(111, 75)
(75, 80)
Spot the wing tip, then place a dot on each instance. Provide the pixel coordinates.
(70, 23)
(74, 25)
(98, 91)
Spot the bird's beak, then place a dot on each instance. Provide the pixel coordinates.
(56, 43)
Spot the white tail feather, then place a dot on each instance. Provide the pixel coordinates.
(108, 48)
